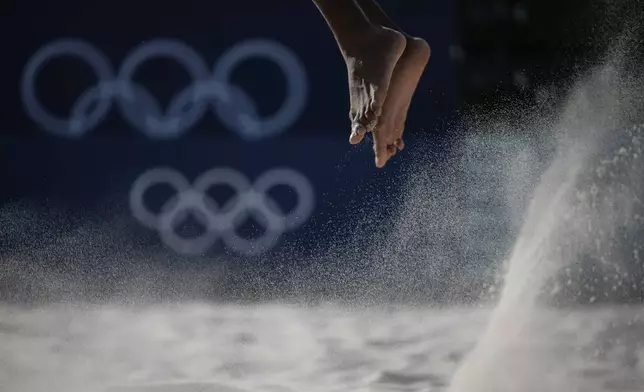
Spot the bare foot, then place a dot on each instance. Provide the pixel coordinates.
(391, 124)
(370, 66)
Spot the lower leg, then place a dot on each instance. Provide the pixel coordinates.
(346, 21)
(376, 15)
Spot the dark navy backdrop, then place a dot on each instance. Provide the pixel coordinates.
(83, 173)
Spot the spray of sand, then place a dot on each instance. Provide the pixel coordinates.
(583, 201)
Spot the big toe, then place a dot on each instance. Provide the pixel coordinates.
(383, 149)
(357, 134)
(383, 154)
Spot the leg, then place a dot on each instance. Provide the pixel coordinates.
(405, 78)
(370, 52)
(377, 16)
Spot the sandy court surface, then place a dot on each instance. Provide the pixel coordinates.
(275, 348)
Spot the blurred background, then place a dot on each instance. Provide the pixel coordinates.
(84, 157)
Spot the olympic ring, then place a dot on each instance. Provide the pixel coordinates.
(249, 200)
(234, 107)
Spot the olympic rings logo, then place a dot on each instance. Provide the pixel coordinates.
(249, 200)
(234, 107)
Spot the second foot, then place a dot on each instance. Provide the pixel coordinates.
(388, 132)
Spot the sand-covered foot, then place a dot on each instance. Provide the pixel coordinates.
(391, 124)
(370, 65)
